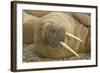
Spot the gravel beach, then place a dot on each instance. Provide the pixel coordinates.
(30, 55)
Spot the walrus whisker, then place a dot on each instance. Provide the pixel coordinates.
(73, 36)
(68, 48)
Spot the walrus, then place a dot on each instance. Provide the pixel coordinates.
(58, 35)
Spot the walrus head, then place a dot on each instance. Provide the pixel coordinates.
(53, 36)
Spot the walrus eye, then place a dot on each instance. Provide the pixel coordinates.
(53, 31)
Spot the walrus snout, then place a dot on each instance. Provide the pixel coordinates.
(53, 35)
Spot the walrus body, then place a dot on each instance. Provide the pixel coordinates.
(50, 31)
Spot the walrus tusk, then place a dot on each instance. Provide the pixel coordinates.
(67, 47)
(73, 36)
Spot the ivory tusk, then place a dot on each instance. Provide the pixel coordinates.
(73, 36)
(67, 47)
